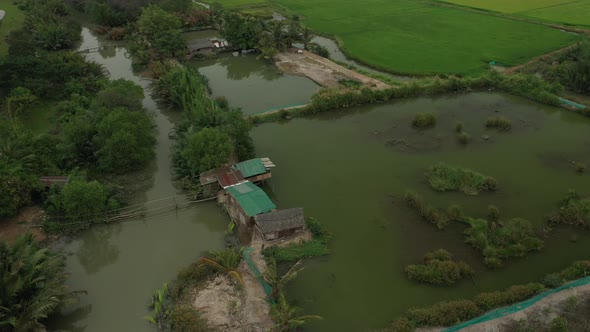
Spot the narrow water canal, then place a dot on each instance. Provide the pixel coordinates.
(120, 265)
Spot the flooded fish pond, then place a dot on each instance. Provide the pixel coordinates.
(351, 169)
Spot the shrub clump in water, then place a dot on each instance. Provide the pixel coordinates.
(439, 268)
(580, 168)
(464, 138)
(459, 127)
(573, 210)
(424, 120)
(443, 177)
(499, 123)
(427, 212)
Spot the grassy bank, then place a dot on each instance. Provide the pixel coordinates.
(524, 85)
(453, 312)
(12, 21)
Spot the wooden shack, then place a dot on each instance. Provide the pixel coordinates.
(246, 200)
(255, 170)
(50, 181)
(280, 223)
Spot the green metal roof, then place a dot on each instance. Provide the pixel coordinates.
(250, 167)
(251, 198)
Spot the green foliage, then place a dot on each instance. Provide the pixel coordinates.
(120, 93)
(295, 251)
(500, 123)
(514, 294)
(102, 13)
(78, 205)
(226, 261)
(574, 69)
(187, 278)
(124, 141)
(428, 212)
(32, 285)
(160, 306)
(444, 313)
(559, 324)
(185, 318)
(577, 270)
(459, 127)
(580, 167)
(439, 268)
(286, 316)
(464, 138)
(498, 241)
(240, 30)
(443, 177)
(206, 149)
(318, 246)
(424, 120)
(573, 210)
(319, 50)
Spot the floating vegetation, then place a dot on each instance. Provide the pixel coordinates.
(580, 167)
(503, 239)
(318, 246)
(573, 210)
(427, 212)
(443, 177)
(439, 268)
(464, 138)
(496, 239)
(424, 120)
(459, 127)
(499, 123)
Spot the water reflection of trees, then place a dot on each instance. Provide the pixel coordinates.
(96, 250)
(68, 321)
(239, 68)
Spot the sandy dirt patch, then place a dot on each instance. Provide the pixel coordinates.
(11, 228)
(230, 307)
(321, 70)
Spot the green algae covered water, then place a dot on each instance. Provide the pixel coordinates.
(351, 169)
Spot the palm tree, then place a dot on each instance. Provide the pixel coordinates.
(159, 307)
(31, 285)
(277, 282)
(285, 316)
(226, 261)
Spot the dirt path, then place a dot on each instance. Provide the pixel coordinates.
(321, 70)
(12, 228)
(546, 304)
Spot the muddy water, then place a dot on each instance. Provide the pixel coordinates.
(120, 265)
(254, 85)
(351, 171)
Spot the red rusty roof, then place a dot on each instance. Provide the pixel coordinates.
(228, 177)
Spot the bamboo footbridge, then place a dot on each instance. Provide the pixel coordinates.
(144, 210)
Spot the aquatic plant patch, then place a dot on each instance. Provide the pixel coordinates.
(573, 210)
(318, 246)
(442, 177)
(439, 268)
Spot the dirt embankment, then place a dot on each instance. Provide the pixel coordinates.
(12, 228)
(232, 307)
(321, 70)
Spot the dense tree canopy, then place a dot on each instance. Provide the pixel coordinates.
(32, 285)
(206, 149)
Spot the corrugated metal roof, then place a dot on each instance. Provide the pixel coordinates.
(251, 198)
(280, 220)
(250, 167)
(228, 177)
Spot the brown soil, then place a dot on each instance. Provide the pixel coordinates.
(321, 70)
(28, 217)
(231, 307)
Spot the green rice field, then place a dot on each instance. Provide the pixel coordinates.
(411, 37)
(575, 12)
